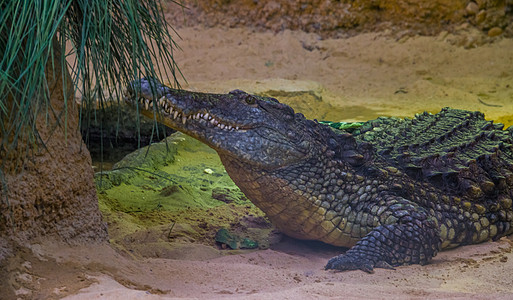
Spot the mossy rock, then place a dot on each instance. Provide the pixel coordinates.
(177, 181)
(225, 238)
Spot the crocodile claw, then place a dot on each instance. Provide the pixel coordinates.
(349, 262)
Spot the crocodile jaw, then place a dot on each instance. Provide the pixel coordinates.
(225, 123)
(199, 124)
(174, 117)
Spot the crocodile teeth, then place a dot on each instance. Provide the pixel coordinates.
(184, 119)
(175, 114)
(146, 104)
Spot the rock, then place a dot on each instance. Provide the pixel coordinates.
(481, 3)
(495, 31)
(472, 8)
(226, 239)
(228, 195)
(481, 16)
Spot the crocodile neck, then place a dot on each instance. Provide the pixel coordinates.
(295, 202)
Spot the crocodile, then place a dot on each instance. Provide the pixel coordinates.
(394, 191)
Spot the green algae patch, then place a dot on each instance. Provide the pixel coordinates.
(170, 200)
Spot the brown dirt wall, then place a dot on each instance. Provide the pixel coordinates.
(343, 18)
(52, 193)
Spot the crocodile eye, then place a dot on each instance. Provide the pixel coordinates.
(250, 100)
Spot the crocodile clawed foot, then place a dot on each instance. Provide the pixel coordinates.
(350, 262)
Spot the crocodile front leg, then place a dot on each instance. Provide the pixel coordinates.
(413, 238)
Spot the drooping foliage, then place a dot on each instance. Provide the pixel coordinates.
(106, 44)
(103, 44)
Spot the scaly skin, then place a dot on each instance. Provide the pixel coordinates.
(395, 191)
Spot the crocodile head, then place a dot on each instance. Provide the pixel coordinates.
(249, 129)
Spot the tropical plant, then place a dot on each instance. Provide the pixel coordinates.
(110, 43)
(103, 44)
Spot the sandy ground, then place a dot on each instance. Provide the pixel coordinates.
(290, 270)
(365, 76)
(360, 78)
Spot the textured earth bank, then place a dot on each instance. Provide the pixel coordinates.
(46, 190)
(342, 18)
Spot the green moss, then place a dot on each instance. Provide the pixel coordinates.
(177, 191)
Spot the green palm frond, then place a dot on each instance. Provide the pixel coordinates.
(26, 32)
(108, 43)
(112, 42)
